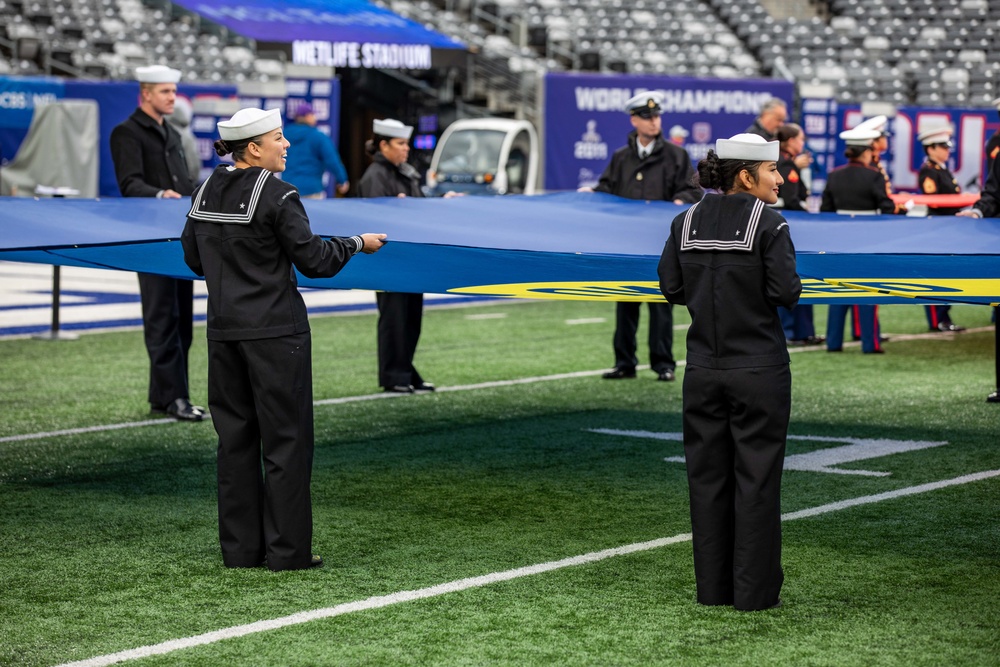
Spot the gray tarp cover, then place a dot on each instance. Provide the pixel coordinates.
(60, 151)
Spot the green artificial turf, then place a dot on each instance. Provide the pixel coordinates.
(109, 538)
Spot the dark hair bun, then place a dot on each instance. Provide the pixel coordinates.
(222, 148)
(708, 171)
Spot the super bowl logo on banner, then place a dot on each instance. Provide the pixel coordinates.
(590, 146)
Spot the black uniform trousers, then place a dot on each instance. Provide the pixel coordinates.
(661, 336)
(735, 424)
(400, 316)
(167, 305)
(265, 462)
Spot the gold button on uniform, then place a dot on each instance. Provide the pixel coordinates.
(638, 176)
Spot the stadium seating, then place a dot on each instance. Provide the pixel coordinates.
(109, 38)
(926, 52)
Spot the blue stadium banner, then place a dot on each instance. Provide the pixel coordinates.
(327, 29)
(584, 121)
(19, 95)
(973, 128)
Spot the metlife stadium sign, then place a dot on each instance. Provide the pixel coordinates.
(355, 54)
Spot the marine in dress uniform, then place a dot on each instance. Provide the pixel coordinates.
(246, 232)
(400, 313)
(880, 144)
(935, 179)
(856, 188)
(149, 162)
(793, 193)
(648, 168)
(730, 259)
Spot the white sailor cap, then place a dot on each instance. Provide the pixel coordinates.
(391, 127)
(859, 136)
(747, 146)
(939, 134)
(877, 123)
(249, 123)
(157, 74)
(645, 104)
(678, 131)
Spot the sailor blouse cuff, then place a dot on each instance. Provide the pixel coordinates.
(358, 244)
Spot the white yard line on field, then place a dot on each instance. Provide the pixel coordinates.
(465, 387)
(325, 401)
(484, 580)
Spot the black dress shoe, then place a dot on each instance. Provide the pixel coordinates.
(949, 327)
(423, 386)
(776, 605)
(314, 561)
(182, 410)
(399, 389)
(619, 374)
(814, 340)
(665, 376)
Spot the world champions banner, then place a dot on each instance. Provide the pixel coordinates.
(583, 122)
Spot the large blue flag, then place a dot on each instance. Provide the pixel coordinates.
(557, 246)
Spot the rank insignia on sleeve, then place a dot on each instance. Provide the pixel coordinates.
(929, 186)
(793, 176)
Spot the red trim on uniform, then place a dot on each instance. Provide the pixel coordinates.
(876, 333)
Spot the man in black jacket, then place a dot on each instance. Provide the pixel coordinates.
(773, 114)
(149, 162)
(648, 168)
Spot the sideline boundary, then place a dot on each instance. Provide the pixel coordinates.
(380, 601)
